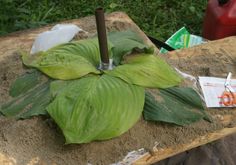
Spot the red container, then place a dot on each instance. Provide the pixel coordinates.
(220, 19)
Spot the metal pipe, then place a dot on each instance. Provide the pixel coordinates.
(102, 37)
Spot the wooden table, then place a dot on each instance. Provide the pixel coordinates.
(224, 51)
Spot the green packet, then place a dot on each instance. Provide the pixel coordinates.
(183, 39)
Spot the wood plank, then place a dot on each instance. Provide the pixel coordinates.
(224, 53)
(157, 155)
(206, 58)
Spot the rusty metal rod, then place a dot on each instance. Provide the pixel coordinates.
(102, 37)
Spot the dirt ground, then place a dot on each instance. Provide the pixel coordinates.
(39, 141)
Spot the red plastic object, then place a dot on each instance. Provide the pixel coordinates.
(220, 19)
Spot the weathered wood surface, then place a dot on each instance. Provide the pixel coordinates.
(224, 50)
(215, 58)
(157, 155)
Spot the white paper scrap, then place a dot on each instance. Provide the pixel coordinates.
(213, 88)
(131, 157)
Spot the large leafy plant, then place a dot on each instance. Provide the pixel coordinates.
(87, 103)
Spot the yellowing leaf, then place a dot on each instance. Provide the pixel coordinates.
(67, 61)
(146, 70)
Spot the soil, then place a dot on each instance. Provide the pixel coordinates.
(39, 141)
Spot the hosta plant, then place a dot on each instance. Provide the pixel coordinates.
(87, 103)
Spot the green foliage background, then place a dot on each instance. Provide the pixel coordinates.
(159, 18)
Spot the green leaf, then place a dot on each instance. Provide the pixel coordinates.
(38, 105)
(31, 103)
(146, 70)
(57, 86)
(68, 61)
(76, 59)
(113, 5)
(176, 105)
(25, 82)
(96, 108)
(124, 43)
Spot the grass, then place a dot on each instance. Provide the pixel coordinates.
(158, 18)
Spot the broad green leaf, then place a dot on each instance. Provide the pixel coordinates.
(76, 59)
(25, 82)
(96, 108)
(124, 42)
(57, 86)
(146, 70)
(176, 105)
(38, 105)
(68, 61)
(31, 103)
